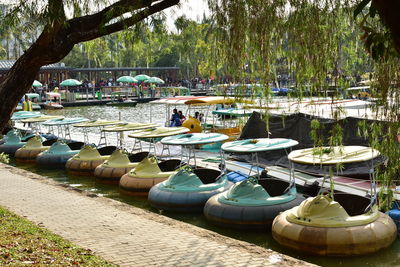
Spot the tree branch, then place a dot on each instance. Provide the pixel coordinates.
(86, 23)
(120, 25)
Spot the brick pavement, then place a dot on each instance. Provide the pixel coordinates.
(123, 234)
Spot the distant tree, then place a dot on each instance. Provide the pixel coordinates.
(91, 19)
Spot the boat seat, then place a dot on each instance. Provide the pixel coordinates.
(353, 204)
(207, 176)
(169, 165)
(274, 187)
(76, 145)
(138, 157)
(49, 142)
(106, 150)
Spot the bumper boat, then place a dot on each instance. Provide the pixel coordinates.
(85, 162)
(252, 204)
(119, 163)
(339, 227)
(12, 142)
(58, 154)
(146, 174)
(32, 148)
(188, 191)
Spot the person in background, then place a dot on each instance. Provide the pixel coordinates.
(152, 90)
(175, 120)
(201, 117)
(197, 115)
(182, 118)
(27, 104)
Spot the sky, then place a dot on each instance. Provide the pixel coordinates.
(192, 9)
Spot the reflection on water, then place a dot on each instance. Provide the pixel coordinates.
(388, 257)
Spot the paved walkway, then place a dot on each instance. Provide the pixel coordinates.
(123, 234)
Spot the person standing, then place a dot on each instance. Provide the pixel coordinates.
(27, 104)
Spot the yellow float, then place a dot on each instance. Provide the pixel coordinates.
(88, 158)
(193, 125)
(118, 164)
(146, 174)
(29, 151)
(322, 226)
(335, 224)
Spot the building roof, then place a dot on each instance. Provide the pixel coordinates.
(5, 65)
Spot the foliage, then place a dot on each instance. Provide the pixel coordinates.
(23, 242)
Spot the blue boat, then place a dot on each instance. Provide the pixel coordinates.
(58, 154)
(188, 190)
(12, 142)
(252, 204)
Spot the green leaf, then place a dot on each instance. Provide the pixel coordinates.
(360, 7)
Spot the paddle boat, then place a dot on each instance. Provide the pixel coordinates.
(147, 173)
(253, 203)
(85, 162)
(53, 101)
(119, 163)
(345, 224)
(188, 190)
(12, 142)
(58, 154)
(32, 148)
(32, 97)
(205, 104)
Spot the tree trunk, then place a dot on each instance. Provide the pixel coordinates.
(389, 11)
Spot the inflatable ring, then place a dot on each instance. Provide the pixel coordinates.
(58, 154)
(31, 149)
(188, 191)
(85, 162)
(11, 143)
(146, 174)
(302, 228)
(251, 206)
(119, 163)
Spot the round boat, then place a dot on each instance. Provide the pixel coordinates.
(188, 191)
(12, 142)
(58, 154)
(252, 204)
(119, 163)
(146, 174)
(340, 227)
(32, 148)
(85, 162)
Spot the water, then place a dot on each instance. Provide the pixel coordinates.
(387, 257)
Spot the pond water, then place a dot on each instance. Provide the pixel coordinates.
(387, 257)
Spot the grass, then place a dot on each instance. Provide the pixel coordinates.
(23, 243)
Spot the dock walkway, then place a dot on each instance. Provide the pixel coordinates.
(123, 234)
